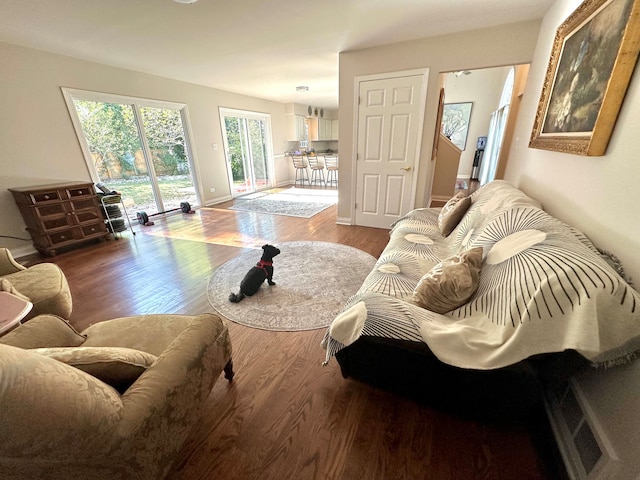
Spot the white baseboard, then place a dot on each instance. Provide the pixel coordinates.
(343, 221)
(226, 198)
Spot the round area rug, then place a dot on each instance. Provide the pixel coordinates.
(313, 282)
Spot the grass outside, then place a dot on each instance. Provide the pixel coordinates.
(138, 194)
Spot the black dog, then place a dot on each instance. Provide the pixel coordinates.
(257, 275)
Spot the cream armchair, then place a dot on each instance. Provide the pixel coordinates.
(116, 401)
(43, 284)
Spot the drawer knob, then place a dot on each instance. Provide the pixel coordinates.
(46, 197)
(62, 237)
(79, 192)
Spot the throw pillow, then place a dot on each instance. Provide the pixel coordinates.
(44, 331)
(451, 283)
(116, 366)
(452, 213)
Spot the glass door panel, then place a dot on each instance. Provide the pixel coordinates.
(259, 157)
(115, 145)
(166, 140)
(247, 147)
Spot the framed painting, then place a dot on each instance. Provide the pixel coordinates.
(455, 122)
(593, 57)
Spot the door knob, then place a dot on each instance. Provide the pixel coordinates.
(406, 169)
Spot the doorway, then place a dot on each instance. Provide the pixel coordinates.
(247, 146)
(497, 127)
(390, 116)
(139, 148)
(496, 96)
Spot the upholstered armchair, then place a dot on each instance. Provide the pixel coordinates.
(43, 284)
(116, 401)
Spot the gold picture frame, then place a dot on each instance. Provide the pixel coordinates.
(593, 57)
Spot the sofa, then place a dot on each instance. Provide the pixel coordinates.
(116, 401)
(43, 284)
(544, 303)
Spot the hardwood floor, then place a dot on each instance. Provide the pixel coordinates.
(285, 416)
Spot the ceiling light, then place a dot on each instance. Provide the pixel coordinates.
(462, 72)
(186, 2)
(302, 88)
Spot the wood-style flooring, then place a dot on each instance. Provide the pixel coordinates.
(285, 416)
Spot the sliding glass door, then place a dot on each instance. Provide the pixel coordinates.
(248, 150)
(136, 147)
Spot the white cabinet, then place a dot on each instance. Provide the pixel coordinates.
(334, 129)
(311, 128)
(295, 128)
(324, 129)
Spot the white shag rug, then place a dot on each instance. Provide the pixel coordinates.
(313, 282)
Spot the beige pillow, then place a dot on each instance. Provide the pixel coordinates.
(44, 331)
(119, 367)
(451, 283)
(452, 213)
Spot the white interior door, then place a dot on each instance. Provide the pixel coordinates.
(390, 118)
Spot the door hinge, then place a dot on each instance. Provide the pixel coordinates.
(355, 206)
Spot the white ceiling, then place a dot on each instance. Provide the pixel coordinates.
(262, 48)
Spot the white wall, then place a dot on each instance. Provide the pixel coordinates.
(600, 196)
(39, 144)
(482, 87)
(504, 45)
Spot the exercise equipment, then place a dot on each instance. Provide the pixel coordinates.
(143, 218)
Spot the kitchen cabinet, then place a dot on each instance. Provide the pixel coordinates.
(60, 215)
(324, 129)
(312, 128)
(296, 128)
(319, 129)
(334, 129)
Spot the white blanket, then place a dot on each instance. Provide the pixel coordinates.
(543, 288)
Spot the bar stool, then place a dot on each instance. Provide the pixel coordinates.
(301, 170)
(317, 170)
(331, 164)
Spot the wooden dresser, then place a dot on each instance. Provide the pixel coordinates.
(60, 215)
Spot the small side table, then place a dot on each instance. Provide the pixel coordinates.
(12, 310)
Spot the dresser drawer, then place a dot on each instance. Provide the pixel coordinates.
(82, 191)
(45, 196)
(85, 203)
(43, 211)
(62, 236)
(85, 216)
(53, 223)
(94, 229)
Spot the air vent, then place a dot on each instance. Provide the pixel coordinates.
(586, 452)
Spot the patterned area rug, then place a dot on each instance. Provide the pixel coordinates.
(294, 202)
(313, 282)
